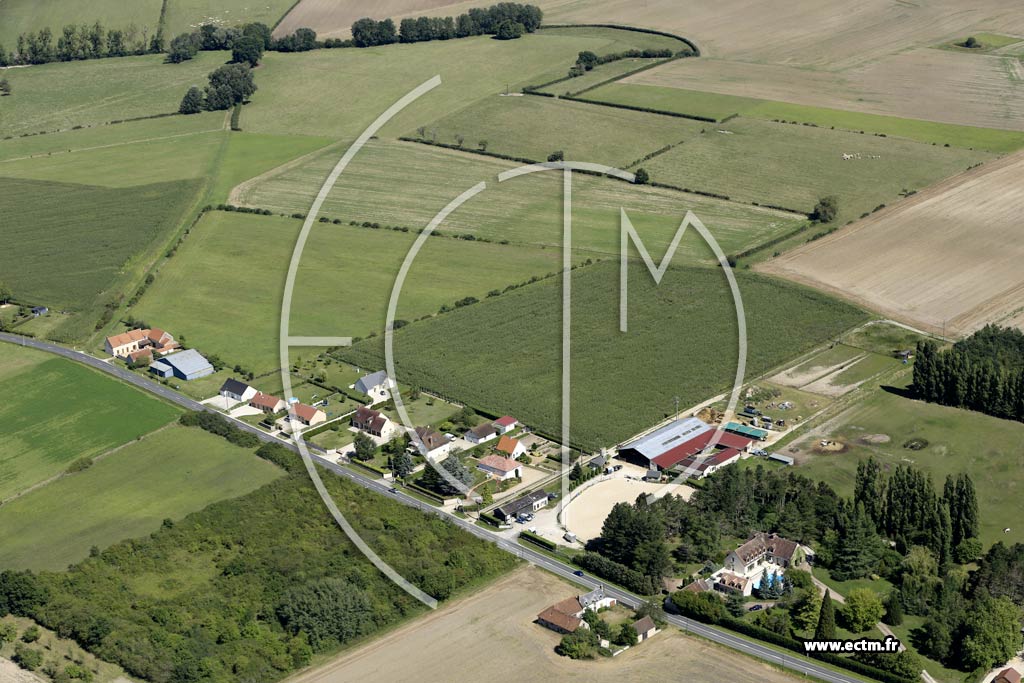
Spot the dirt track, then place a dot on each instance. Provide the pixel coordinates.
(947, 259)
(491, 636)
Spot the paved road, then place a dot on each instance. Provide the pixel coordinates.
(793, 662)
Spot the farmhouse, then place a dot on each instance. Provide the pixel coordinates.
(531, 502)
(372, 422)
(121, 345)
(680, 443)
(567, 616)
(267, 403)
(433, 442)
(186, 365)
(513, 448)
(645, 628)
(237, 391)
(481, 433)
(376, 385)
(505, 424)
(500, 468)
(308, 415)
(1007, 675)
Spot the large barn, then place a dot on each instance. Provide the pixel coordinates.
(679, 441)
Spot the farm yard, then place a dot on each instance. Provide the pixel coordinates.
(167, 474)
(946, 260)
(681, 342)
(505, 612)
(51, 417)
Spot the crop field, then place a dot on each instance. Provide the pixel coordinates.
(681, 342)
(793, 166)
(534, 127)
(188, 15)
(98, 232)
(343, 286)
(19, 16)
(506, 610)
(406, 184)
(52, 417)
(310, 93)
(988, 448)
(599, 74)
(62, 95)
(168, 474)
(946, 260)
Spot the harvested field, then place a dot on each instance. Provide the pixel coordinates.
(446, 644)
(947, 259)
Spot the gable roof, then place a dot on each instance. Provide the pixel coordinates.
(126, 338)
(430, 438)
(507, 445)
(365, 415)
(506, 421)
(761, 544)
(188, 361)
(261, 400)
(1009, 674)
(668, 437)
(483, 431)
(368, 382)
(496, 462)
(643, 625)
(305, 412)
(233, 386)
(566, 622)
(588, 599)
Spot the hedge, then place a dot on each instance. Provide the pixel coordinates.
(281, 456)
(425, 491)
(215, 424)
(372, 468)
(630, 579)
(490, 519)
(635, 29)
(649, 110)
(538, 540)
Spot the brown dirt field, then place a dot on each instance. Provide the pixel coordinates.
(946, 259)
(491, 636)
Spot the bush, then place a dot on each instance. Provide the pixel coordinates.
(215, 424)
(538, 540)
(581, 644)
(27, 658)
(30, 635)
(704, 606)
(826, 209)
(641, 177)
(79, 465)
(281, 456)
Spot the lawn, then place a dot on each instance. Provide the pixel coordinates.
(883, 338)
(59, 96)
(681, 342)
(718, 106)
(599, 74)
(989, 449)
(55, 411)
(793, 166)
(19, 16)
(407, 184)
(169, 474)
(534, 127)
(343, 286)
(80, 244)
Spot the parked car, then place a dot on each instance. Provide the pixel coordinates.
(617, 468)
(756, 608)
(569, 536)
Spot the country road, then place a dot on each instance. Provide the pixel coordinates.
(788, 660)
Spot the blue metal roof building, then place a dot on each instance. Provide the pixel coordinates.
(186, 365)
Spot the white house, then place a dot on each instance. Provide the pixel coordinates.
(504, 425)
(376, 385)
(500, 468)
(434, 442)
(481, 433)
(237, 391)
(512, 448)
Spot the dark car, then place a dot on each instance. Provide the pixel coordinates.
(393, 490)
(578, 572)
(755, 608)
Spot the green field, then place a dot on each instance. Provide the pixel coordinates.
(988, 448)
(186, 15)
(235, 265)
(249, 154)
(166, 475)
(599, 74)
(62, 95)
(55, 411)
(718, 106)
(794, 166)
(406, 184)
(78, 244)
(987, 42)
(534, 127)
(681, 342)
(19, 16)
(310, 93)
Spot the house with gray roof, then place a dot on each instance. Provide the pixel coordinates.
(376, 385)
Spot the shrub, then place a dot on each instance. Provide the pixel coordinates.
(509, 30)
(826, 209)
(27, 657)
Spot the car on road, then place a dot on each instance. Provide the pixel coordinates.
(756, 608)
(578, 572)
(392, 490)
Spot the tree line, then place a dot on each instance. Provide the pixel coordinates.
(504, 20)
(984, 372)
(80, 41)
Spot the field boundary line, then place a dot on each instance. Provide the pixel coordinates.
(43, 155)
(235, 196)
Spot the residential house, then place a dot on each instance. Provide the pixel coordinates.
(567, 616)
(372, 422)
(308, 415)
(236, 391)
(481, 433)
(645, 628)
(120, 345)
(598, 463)
(531, 502)
(376, 385)
(513, 448)
(267, 403)
(501, 468)
(728, 582)
(434, 442)
(39, 310)
(1007, 675)
(596, 599)
(762, 549)
(505, 424)
(186, 365)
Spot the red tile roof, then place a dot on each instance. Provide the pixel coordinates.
(507, 444)
(1007, 675)
(261, 400)
(506, 421)
(676, 455)
(496, 462)
(126, 337)
(564, 621)
(304, 412)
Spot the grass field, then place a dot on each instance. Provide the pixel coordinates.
(55, 411)
(681, 342)
(249, 154)
(534, 127)
(718, 105)
(19, 16)
(344, 282)
(598, 74)
(794, 166)
(166, 475)
(406, 184)
(187, 15)
(989, 449)
(62, 95)
(78, 243)
(987, 42)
